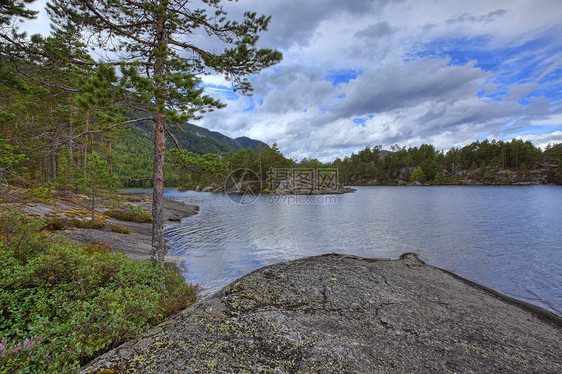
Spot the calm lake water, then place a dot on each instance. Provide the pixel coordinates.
(507, 238)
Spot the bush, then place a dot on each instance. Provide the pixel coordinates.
(59, 223)
(63, 304)
(130, 214)
(43, 193)
(120, 229)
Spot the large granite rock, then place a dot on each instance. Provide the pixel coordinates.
(344, 314)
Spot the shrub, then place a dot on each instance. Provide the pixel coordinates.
(120, 229)
(43, 193)
(130, 214)
(63, 304)
(59, 223)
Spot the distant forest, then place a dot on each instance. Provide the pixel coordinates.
(481, 162)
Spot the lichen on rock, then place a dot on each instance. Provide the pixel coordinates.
(344, 314)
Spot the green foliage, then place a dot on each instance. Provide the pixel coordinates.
(486, 157)
(133, 153)
(129, 214)
(57, 223)
(62, 303)
(66, 171)
(44, 193)
(15, 8)
(8, 156)
(97, 179)
(417, 175)
(198, 170)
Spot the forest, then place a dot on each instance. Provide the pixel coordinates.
(481, 162)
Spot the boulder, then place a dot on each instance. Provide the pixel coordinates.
(344, 314)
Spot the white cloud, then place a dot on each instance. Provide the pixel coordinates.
(544, 139)
(445, 73)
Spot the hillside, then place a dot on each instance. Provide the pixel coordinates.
(133, 152)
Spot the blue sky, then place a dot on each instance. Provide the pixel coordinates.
(358, 73)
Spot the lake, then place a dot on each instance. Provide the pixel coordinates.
(508, 238)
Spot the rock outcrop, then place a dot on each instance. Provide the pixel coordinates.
(345, 314)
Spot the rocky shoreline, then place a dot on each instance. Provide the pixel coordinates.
(338, 313)
(136, 244)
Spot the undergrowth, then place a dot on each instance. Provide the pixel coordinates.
(130, 214)
(62, 304)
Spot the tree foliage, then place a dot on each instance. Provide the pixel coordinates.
(15, 8)
(374, 165)
(161, 67)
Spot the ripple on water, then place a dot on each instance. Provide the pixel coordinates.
(507, 238)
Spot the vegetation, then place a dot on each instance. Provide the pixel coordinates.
(160, 67)
(97, 179)
(63, 104)
(485, 161)
(480, 160)
(129, 214)
(63, 304)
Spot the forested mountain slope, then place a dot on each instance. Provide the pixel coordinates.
(133, 151)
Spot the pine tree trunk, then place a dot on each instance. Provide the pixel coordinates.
(109, 150)
(85, 163)
(54, 165)
(70, 130)
(158, 244)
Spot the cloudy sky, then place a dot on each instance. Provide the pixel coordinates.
(361, 72)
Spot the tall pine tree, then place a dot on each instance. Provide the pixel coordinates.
(152, 41)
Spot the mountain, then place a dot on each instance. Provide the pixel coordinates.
(133, 151)
(246, 142)
(199, 140)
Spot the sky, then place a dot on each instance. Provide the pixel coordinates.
(365, 73)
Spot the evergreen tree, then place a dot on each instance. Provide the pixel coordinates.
(417, 175)
(15, 8)
(153, 42)
(97, 179)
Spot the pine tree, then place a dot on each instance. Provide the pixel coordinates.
(153, 40)
(15, 8)
(97, 179)
(417, 175)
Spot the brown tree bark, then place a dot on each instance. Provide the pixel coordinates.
(158, 244)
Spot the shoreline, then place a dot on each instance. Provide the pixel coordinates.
(136, 244)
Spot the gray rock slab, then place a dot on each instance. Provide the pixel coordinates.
(344, 314)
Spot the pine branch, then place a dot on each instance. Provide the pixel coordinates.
(120, 29)
(44, 83)
(173, 137)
